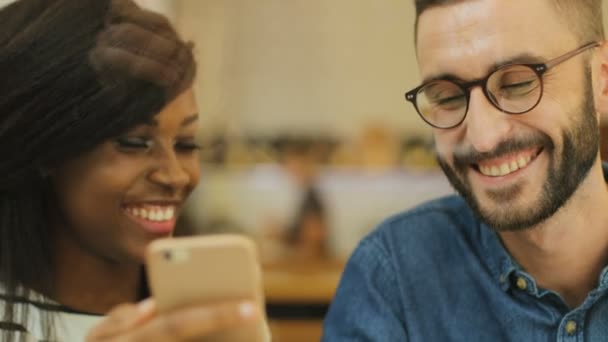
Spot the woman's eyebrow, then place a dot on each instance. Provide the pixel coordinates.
(190, 119)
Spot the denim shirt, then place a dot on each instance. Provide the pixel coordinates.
(436, 273)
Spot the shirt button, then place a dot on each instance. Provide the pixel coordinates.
(571, 327)
(522, 283)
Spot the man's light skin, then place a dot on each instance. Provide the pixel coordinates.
(566, 252)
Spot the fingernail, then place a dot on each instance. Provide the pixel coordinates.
(146, 306)
(246, 309)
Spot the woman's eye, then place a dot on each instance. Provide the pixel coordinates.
(187, 146)
(134, 143)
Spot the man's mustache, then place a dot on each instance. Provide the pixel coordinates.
(464, 158)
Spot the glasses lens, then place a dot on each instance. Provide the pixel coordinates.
(442, 103)
(515, 89)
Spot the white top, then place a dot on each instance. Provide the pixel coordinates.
(70, 326)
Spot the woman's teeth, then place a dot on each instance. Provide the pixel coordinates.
(505, 168)
(153, 213)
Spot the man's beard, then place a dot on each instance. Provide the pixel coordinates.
(565, 174)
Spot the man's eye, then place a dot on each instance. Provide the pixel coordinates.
(518, 89)
(450, 100)
(134, 143)
(451, 103)
(524, 84)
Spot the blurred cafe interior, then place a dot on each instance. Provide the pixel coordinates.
(307, 140)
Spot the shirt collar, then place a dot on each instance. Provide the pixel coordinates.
(604, 275)
(500, 263)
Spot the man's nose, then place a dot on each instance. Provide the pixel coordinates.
(486, 126)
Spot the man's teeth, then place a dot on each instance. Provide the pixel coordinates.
(153, 213)
(505, 168)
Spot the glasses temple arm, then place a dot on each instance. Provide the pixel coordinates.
(571, 54)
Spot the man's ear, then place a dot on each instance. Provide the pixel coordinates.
(601, 86)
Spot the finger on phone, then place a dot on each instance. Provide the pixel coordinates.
(124, 318)
(198, 321)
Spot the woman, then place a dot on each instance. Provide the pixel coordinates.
(97, 134)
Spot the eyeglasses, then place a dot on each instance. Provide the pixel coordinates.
(512, 88)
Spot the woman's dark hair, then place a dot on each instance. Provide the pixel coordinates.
(73, 74)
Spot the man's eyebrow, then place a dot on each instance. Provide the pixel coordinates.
(524, 58)
(439, 77)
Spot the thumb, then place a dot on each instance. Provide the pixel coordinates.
(146, 309)
(122, 319)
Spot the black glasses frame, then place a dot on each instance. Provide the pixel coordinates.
(539, 69)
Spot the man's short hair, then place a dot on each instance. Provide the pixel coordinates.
(584, 17)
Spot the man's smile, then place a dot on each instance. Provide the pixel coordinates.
(508, 164)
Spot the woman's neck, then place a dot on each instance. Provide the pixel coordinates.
(89, 283)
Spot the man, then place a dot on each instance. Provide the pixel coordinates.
(514, 91)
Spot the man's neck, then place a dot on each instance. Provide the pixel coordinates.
(567, 252)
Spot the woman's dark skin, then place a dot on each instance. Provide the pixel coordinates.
(106, 246)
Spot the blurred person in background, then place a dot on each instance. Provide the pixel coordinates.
(302, 238)
(97, 134)
(514, 91)
(307, 234)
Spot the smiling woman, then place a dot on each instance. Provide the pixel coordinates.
(129, 189)
(97, 134)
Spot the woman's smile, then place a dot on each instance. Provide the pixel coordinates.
(154, 217)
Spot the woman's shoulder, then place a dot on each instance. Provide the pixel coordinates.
(33, 313)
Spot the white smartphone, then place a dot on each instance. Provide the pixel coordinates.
(205, 269)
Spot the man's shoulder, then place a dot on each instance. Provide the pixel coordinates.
(439, 215)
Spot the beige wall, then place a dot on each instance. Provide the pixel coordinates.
(166, 7)
(5, 2)
(302, 65)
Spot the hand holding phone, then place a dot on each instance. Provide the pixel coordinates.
(204, 270)
(142, 322)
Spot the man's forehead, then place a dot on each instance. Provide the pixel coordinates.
(470, 37)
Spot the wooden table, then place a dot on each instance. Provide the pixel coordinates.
(295, 290)
(301, 282)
